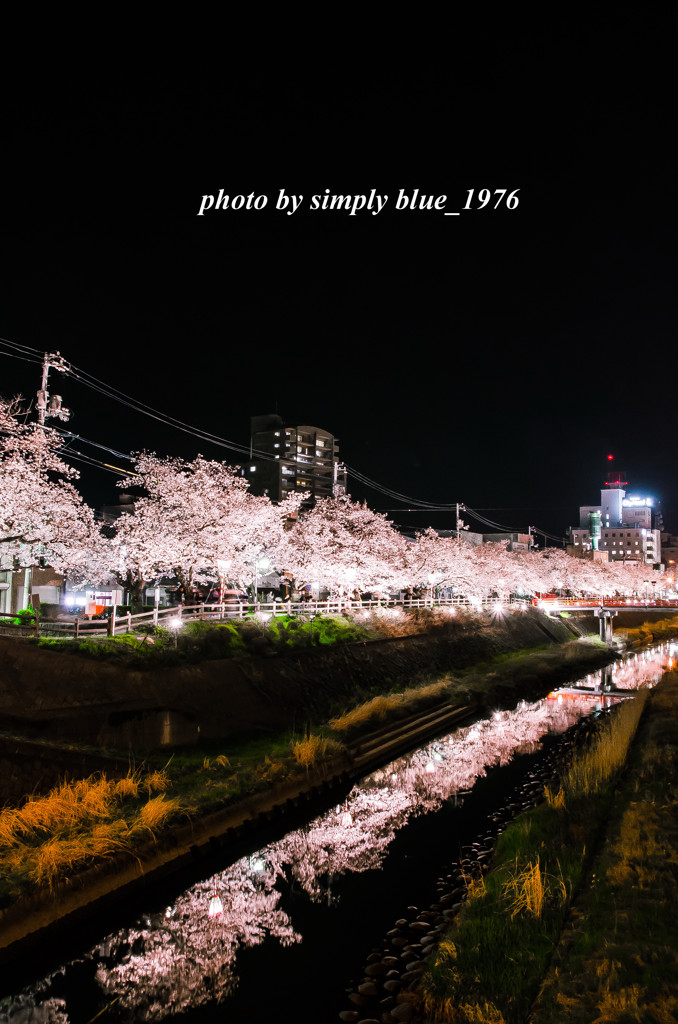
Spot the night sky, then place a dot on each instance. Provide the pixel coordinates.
(493, 358)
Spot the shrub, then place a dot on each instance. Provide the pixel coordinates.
(313, 749)
(25, 617)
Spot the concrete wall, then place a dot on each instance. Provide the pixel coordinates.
(48, 695)
(27, 767)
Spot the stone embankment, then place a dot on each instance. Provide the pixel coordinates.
(47, 695)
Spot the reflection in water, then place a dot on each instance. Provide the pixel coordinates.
(185, 956)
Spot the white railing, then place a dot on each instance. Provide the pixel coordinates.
(174, 617)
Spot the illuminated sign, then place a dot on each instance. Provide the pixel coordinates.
(638, 502)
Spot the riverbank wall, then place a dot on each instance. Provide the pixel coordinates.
(55, 697)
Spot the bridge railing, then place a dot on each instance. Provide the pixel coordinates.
(605, 602)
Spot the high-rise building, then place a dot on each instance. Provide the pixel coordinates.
(287, 458)
(622, 526)
(670, 553)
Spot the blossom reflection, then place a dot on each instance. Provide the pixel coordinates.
(186, 956)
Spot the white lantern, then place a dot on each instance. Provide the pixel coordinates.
(216, 907)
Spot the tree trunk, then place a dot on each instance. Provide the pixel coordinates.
(135, 588)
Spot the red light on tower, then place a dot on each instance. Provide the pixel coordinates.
(610, 458)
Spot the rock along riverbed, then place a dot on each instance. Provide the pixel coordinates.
(333, 920)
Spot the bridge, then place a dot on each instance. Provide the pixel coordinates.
(628, 612)
(561, 604)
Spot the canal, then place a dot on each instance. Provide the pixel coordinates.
(315, 924)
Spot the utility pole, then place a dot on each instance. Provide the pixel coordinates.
(338, 490)
(458, 522)
(46, 405)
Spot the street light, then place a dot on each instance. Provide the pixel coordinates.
(175, 626)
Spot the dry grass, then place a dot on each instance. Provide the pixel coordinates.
(313, 749)
(379, 708)
(639, 853)
(526, 891)
(555, 798)
(127, 788)
(530, 890)
(619, 1005)
(617, 959)
(446, 1011)
(155, 814)
(476, 888)
(157, 782)
(79, 822)
(605, 756)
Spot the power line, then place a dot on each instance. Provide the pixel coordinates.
(418, 505)
(97, 463)
(95, 444)
(120, 396)
(25, 359)
(23, 348)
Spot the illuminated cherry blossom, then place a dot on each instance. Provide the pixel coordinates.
(193, 516)
(42, 515)
(345, 547)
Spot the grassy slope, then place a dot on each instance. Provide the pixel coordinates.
(491, 961)
(618, 957)
(612, 955)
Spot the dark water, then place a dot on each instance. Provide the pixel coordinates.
(299, 916)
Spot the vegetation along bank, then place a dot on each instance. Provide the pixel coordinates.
(575, 919)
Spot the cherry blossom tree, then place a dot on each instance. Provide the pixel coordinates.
(195, 518)
(42, 515)
(345, 547)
